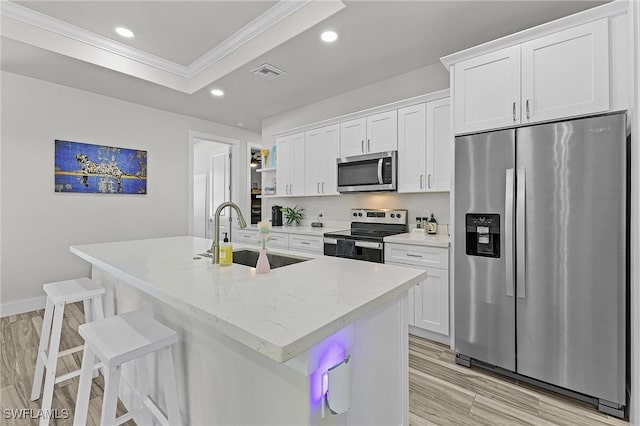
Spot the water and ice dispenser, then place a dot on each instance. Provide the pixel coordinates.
(483, 235)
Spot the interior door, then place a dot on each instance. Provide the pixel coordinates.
(220, 173)
(485, 307)
(570, 220)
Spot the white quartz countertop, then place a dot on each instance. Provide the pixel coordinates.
(419, 239)
(302, 230)
(280, 314)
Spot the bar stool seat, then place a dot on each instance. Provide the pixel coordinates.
(120, 339)
(58, 295)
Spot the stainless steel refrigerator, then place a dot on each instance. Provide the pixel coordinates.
(541, 254)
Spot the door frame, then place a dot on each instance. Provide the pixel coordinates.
(194, 137)
(250, 146)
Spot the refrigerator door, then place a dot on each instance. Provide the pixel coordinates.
(571, 224)
(484, 293)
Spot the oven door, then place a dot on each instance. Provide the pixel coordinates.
(352, 249)
(371, 172)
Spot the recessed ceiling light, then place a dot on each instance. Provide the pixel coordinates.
(329, 36)
(217, 92)
(124, 32)
(240, 124)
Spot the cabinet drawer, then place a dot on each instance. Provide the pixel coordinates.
(428, 257)
(307, 243)
(246, 237)
(279, 240)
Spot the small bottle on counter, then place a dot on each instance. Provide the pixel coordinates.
(419, 222)
(226, 252)
(432, 225)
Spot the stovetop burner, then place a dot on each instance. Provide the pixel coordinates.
(373, 225)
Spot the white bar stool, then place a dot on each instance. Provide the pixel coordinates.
(119, 339)
(58, 295)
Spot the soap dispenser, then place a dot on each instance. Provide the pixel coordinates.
(226, 252)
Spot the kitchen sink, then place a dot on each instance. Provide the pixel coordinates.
(250, 258)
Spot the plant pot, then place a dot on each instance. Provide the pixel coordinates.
(263, 267)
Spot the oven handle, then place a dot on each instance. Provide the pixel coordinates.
(380, 180)
(365, 244)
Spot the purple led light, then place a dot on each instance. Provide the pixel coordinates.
(334, 355)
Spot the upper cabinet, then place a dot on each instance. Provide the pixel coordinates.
(425, 146)
(322, 148)
(559, 75)
(374, 133)
(290, 172)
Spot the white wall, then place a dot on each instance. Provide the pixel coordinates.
(415, 83)
(38, 225)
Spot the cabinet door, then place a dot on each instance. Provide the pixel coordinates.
(439, 146)
(487, 91)
(313, 162)
(566, 73)
(330, 153)
(353, 135)
(296, 165)
(382, 132)
(432, 302)
(283, 171)
(412, 142)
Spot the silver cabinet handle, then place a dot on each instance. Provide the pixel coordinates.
(380, 161)
(521, 228)
(528, 114)
(508, 231)
(429, 180)
(306, 243)
(317, 187)
(369, 145)
(413, 255)
(291, 189)
(514, 112)
(421, 185)
(323, 187)
(362, 147)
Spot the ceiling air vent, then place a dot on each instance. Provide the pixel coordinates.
(268, 72)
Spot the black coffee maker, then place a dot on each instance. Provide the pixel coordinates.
(276, 216)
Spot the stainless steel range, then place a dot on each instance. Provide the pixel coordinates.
(364, 240)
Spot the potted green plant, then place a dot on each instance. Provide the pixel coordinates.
(292, 215)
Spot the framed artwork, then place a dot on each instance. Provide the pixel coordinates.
(82, 167)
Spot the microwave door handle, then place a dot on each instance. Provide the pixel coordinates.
(380, 161)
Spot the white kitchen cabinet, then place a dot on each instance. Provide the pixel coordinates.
(424, 147)
(429, 300)
(371, 134)
(560, 75)
(567, 73)
(322, 148)
(245, 236)
(487, 91)
(310, 243)
(290, 172)
(278, 240)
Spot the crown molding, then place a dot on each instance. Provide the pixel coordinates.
(606, 10)
(253, 29)
(65, 29)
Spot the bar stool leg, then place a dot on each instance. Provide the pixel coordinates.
(97, 313)
(52, 361)
(143, 389)
(84, 387)
(110, 400)
(88, 312)
(170, 390)
(42, 348)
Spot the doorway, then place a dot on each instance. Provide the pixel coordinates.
(255, 185)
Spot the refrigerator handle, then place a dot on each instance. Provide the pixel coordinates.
(508, 231)
(521, 262)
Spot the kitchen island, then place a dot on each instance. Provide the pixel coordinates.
(255, 349)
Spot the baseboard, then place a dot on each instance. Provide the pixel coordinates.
(22, 306)
(430, 335)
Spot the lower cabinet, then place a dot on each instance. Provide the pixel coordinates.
(428, 300)
(297, 242)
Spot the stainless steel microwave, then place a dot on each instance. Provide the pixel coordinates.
(369, 172)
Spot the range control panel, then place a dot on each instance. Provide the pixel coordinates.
(379, 216)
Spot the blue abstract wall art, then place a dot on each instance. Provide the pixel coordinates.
(82, 167)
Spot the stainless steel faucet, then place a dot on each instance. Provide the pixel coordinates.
(215, 246)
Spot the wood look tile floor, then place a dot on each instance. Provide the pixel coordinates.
(440, 392)
(444, 393)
